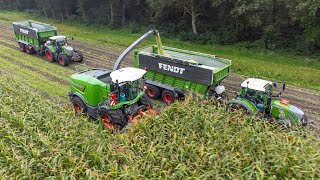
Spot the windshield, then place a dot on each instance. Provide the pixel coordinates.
(130, 90)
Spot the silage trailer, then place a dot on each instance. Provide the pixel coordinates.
(176, 72)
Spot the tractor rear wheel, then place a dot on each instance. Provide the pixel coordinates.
(144, 100)
(63, 60)
(168, 96)
(153, 91)
(79, 106)
(29, 49)
(235, 107)
(113, 119)
(49, 55)
(22, 47)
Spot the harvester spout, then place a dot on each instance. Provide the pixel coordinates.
(136, 43)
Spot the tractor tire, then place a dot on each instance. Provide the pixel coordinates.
(63, 60)
(238, 108)
(29, 49)
(168, 96)
(22, 47)
(79, 106)
(49, 55)
(144, 100)
(113, 119)
(153, 91)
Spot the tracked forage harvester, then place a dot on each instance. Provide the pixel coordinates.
(36, 37)
(116, 97)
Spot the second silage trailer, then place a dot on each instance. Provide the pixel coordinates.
(36, 37)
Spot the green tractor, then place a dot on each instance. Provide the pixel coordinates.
(256, 98)
(117, 97)
(57, 49)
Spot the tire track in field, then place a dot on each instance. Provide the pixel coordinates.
(20, 64)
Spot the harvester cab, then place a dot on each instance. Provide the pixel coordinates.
(257, 97)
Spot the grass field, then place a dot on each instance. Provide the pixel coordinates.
(42, 138)
(265, 64)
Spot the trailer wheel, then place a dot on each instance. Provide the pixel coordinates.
(79, 105)
(113, 119)
(22, 47)
(144, 100)
(168, 96)
(29, 49)
(153, 91)
(63, 60)
(49, 55)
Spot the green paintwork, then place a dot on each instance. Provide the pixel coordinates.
(185, 85)
(52, 48)
(258, 104)
(247, 104)
(43, 35)
(277, 107)
(92, 90)
(66, 51)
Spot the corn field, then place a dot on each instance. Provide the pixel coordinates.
(42, 139)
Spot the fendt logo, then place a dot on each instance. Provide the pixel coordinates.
(24, 31)
(170, 68)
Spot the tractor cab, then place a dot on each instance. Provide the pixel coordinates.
(257, 91)
(58, 41)
(126, 84)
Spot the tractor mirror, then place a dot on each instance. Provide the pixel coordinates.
(284, 86)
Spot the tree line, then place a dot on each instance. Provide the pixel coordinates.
(271, 24)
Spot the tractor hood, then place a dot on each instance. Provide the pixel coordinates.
(128, 74)
(68, 48)
(294, 109)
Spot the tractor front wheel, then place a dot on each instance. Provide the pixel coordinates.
(22, 47)
(79, 55)
(63, 60)
(49, 55)
(153, 91)
(304, 121)
(79, 105)
(113, 119)
(168, 96)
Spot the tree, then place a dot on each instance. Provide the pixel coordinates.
(192, 7)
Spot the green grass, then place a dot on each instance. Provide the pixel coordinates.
(296, 70)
